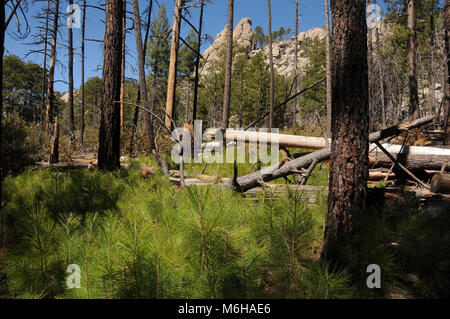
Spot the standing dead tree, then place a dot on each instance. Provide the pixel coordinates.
(122, 79)
(51, 72)
(142, 85)
(197, 61)
(83, 35)
(228, 68)
(414, 111)
(136, 109)
(171, 83)
(271, 94)
(70, 65)
(447, 75)
(328, 65)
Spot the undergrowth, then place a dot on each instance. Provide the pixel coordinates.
(136, 237)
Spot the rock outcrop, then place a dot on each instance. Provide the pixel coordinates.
(243, 35)
(283, 52)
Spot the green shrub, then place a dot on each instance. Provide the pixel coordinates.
(21, 144)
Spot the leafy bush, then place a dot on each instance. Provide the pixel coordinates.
(21, 144)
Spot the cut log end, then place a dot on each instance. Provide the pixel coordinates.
(440, 184)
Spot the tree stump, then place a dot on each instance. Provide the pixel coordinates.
(440, 184)
(54, 148)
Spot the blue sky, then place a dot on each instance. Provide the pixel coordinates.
(215, 18)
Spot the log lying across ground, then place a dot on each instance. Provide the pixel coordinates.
(312, 193)
(295, 141)
(255, 179)
(412, 157)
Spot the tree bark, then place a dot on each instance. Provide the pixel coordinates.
(414, 111)
(271, 97)
(228, 68)
(142, 83)
(171, 82)
(197, 61)
(380, 74)
(295, 104)
(136, 109)
(447, 75)
(83, 34)
(349, 167)
(432, 98)
(109, 137)
(441, 184)
(51, 72)
(44, 69)
(71, 117)
(122, 79)
(414, 158)
(2, 50)
(328, 65)
(54, 148)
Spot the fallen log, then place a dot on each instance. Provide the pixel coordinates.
(378, 176)
(312, 193)
(440, 184)
(401, 166)
(313, 143)
(272, 173)
(295, 141)
(412, 157)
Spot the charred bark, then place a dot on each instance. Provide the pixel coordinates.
(414, 111)
(271, 95)
(349, 165)
(228, 68)
(109, 137)
(51, 72)
(142, 84)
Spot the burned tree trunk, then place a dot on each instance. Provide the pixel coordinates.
(432, 93)
(197, 61)
(83, 33)
(172, 79)
(295, 104)
(142, 85)
(71, 119)
(271, 95)
(109, 137)
(228, 68)
(44, 68)
(122, 78)
(51, 71)
(349, 168)
(328, 65)
(2, 49)
(136, 109)
(414, 111)
(54, 147)
(380, 74)
(447, 75)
